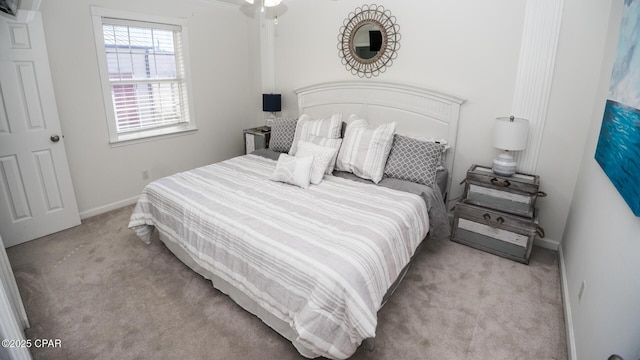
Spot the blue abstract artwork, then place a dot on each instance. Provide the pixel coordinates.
(618, 149)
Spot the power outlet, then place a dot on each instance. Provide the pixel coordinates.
(581, 292)
(145, 174)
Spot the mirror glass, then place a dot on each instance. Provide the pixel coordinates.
(367, 41)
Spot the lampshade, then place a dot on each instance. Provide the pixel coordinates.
(267, 3)
(271, 102)
(510, 133)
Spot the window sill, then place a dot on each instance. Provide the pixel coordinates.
(151, 135)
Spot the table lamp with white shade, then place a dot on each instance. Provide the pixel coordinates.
(509, 134)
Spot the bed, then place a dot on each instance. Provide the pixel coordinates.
(315, 263)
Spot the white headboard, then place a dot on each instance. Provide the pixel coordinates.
(418, 112)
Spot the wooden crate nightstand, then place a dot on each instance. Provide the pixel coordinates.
(516, 194)
(497, 214)
(256, 138)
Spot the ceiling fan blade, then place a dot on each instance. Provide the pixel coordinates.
(249, 10)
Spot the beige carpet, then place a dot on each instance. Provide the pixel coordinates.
(107, 295)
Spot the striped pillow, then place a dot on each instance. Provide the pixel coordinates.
(329, 128)
(364, 151)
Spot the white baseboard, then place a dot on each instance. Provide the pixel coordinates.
(108, 207)
(550, 244)
(568, 321)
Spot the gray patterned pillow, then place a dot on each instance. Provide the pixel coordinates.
(330, 143)
(322, 157)
(414, 160)
(282, 132)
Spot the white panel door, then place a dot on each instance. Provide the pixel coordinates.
(36, 193)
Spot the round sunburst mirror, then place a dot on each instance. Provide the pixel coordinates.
(369, 40)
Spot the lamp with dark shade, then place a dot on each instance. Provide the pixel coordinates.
(271, 103)
(509, 134)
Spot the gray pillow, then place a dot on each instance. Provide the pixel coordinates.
(282, 132)
(414, 160)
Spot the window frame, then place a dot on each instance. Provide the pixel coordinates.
(123, 138)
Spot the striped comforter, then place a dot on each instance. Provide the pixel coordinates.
(320, 259)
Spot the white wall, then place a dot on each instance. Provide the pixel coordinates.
(601, 243)
(469, 49)
(578, 62)
(226, 79)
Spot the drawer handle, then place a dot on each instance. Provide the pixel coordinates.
(540, 231)
(500, 182)
(499, 220)
(542, 194)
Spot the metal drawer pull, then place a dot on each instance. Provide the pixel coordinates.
(500, 182)
(499, 220)
(542, 194)
(540, 231)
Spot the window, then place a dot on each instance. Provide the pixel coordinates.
(143, 65)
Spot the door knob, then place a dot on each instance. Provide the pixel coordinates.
(55, 138)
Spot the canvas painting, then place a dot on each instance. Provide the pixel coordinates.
(618, 150)
(9, 6)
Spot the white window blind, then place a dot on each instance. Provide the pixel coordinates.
(144, 70)
(146, 73)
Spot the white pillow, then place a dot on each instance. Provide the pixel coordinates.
(292, 170)
(306, 127)
(322, 157)
(330, 143)
(364, 151)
